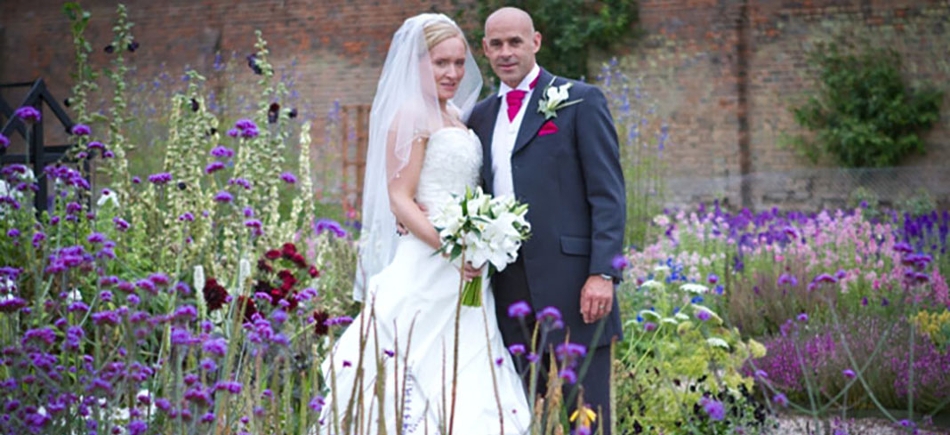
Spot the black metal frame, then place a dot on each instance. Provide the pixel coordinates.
(40, 155)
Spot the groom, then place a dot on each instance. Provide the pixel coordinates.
(564, 163)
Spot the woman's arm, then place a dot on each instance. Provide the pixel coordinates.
(402, 193)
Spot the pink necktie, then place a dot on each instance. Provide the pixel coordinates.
(514, 98)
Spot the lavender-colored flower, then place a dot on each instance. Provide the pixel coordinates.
(216, 346)
(331, 225)
(649, 326)
(825, 278)
(120, 224)
(713, 408)
(903, 247)
(96, 238)
(13, 233)
(95, 145)
(549, 314)
(253, 223)
(802, 317)
(342, 320)
(214, 167)
(240, 182)
(222, 152)
(160, 178)
(780, 399)
(712, 279)
(620, 262)
(516, 349)
(848, 373)
(234, 132)
(761, 374)
(703, 315)
(316, 404)
(288, 178)
(4, 141)
(224, 196)
(108, 154)
(81, 130)
(533, 358)
(28, 114)
(788, 280)
(136, 180)
(186, 217)
(568, 375)
(11, 304)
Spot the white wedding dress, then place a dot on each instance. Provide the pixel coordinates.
(413, 302)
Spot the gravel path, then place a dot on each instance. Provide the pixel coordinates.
(793, 425)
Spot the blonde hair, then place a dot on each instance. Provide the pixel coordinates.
(438, 31)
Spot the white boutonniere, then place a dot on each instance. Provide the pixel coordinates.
(555, 98)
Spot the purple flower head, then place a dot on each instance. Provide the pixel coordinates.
(240, 182)
(761, 374)
(787, 280)
(96, 238)
(95, 145)
(649, 326)
(533, 358)
(342, 320)
(222, 152)
(331, 225)
(712, 279)
(802, 317)
(825, 278)
(214, 167)
(216, 346)
(13, 233)
(288, 178)
(780, 399)
(186, 217)
(136, 180)
(549, 315)
(28, 114)
(316, 404)
(713, 408)
(516, 349)
(234, 132)
(81, 130)
(4, 141)
(568, 375)
(620, 262)
(848, 373)
(903, 247)
(519, 310)
(120, 224)
(224, 196)
(160, 178)
(108, 154)
(703, 315)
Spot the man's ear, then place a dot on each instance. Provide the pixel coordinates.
(537, 41)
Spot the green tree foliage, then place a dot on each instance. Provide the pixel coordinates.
(864, 114)
(569, 28)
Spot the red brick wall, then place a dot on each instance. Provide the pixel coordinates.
(724, 72)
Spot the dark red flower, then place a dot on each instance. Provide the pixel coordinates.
(215, 294)
(314, 273)
(288, 249)
(298, 259)
(249, 308)
(264, 266)
(273, 254)
(320, 323)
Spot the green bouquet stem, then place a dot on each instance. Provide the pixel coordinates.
(472, 292)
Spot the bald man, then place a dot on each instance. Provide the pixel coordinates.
(564, 162)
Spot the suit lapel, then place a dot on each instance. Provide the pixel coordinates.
(532, 120)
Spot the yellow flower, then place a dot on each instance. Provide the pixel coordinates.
(585, 415)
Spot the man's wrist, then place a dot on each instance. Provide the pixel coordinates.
(606, 277)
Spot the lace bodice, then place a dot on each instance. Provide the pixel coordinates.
(452, 163)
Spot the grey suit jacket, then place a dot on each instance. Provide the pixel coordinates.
(573, 184)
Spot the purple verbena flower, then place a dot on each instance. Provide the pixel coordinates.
(221, 151)
(224, 196)
(214, 167)
(288, 178)
(28, 114)
(81, 130)
(160, 178)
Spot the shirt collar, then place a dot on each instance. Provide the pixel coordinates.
(525, 84)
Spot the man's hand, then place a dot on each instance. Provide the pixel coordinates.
(597, 298)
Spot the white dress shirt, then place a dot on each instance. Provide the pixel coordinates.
(505, 134)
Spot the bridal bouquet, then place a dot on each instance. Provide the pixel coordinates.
(480, 229)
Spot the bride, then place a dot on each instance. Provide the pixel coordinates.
(395, 364)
